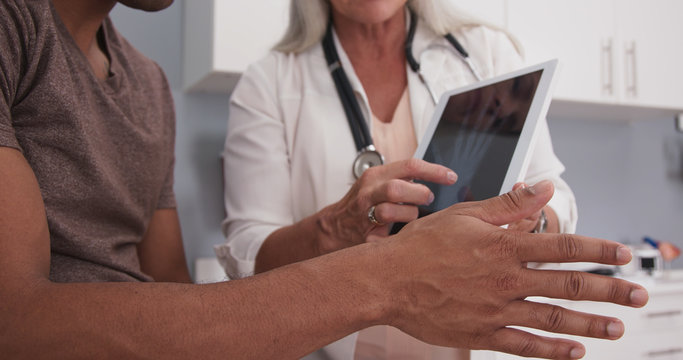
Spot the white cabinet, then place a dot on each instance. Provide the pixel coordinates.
(652, 332)
(622, 52)
(650, 41)
(620, 59)
(221, 38)
(579, 33)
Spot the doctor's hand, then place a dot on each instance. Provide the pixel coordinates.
(455, 278)
(530, 223)
(383, 195)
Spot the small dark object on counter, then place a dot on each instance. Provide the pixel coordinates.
(602, 271)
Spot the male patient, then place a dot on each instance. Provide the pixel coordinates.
(91, 258)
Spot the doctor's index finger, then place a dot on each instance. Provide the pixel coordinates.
(417, 169)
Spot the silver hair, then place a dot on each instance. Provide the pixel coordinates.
(308, 21)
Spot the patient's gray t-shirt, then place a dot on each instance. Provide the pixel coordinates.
(102, 151)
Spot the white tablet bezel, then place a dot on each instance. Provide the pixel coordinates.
(527, 139)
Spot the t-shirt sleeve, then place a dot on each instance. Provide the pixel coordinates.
(7, 137)
(11, 49)
(167, 196)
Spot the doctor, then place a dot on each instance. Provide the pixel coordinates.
(335, 98)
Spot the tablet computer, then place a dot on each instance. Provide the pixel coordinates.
(486, 132)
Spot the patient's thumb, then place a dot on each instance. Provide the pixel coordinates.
(517, 204)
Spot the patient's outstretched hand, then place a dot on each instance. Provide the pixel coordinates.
(458, 279)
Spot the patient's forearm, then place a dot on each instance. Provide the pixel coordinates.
(278, 315)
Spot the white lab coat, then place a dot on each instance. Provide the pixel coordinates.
(289, 149)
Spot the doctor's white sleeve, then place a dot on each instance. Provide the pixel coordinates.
(545, 165)
(256, 171)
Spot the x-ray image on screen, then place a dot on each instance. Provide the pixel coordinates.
(476, 137)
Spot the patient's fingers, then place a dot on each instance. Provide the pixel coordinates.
(556, 319)
(577, 285)
(571, 248)
(522, 343)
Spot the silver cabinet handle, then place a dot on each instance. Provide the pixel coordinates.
(666, 352)
(607, 73)
(631, 70)
(670, 313)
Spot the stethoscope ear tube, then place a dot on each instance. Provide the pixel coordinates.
(414, 65)
(456, 44)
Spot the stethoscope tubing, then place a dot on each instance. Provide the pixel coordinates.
(466, 60)
(357, 123)
(415, 65)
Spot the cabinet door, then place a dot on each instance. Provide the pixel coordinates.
(650, 34)
(492, 11)
(246, 30)
(580, 33)
(221, 38)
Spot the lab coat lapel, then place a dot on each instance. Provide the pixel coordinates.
(356, 85)
(431, 63)
(421, 106)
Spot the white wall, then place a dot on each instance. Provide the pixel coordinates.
(624, 183)
(616, 169)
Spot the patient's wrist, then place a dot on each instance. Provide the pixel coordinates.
(375, 282)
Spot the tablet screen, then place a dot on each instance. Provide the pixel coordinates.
(476, 137)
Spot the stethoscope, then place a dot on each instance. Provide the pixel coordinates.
(368, 156)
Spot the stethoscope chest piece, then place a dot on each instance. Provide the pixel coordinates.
(366, 158)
